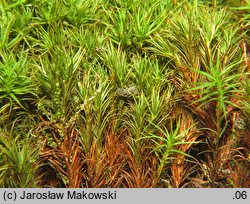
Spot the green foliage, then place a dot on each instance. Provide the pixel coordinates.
(93, 79)
(19, 165)
(167, 143)
(16, 86)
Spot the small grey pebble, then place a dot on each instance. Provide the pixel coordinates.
(127, 91)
